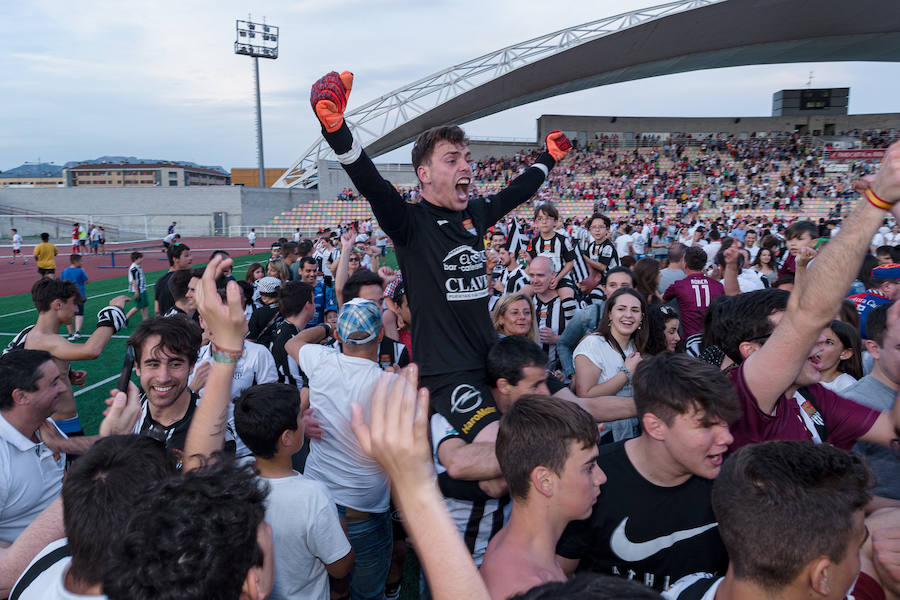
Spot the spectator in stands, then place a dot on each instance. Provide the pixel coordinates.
(514, 315)
(674, 269)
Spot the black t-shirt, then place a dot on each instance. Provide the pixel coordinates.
(163, 295)
(175, 435)
(264, 322)
(441, 254)
(637, 530)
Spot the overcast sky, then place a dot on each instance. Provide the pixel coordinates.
(159, 79)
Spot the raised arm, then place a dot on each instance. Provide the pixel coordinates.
(818, 294)
(342, 272)
(110, 320)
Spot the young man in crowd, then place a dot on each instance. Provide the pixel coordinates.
(338, 379)
(295, 304)
(674, 270)
(653, 521)
(56, 302)
(694, 293)
(291, 258)
(800, 234)
(547, 449)
(266, 319)
(45, 256)
(511, 278)
(548, 307)
(137, 285)
(323, 296)
(439, 242)
(309, 541)
(792, 552)
(76, 275)
(179, 256)
(99, 493)
(182, 284)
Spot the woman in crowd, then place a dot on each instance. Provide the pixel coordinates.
(663, 322)
(254, 272)
(765, 264)
(841, 358)
(646, 273)
(278, 269)
(606, 359)
(514, 315)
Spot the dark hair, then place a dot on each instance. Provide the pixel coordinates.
(308, 260)
(548, 209)
(248, 276)
(743, 318)
(178, 283)
(864, 275)
(498, 232)
(427, 140)
(695, 258)
(657, 317)
(99, 493)
(798, 228)
(600, 216)
(639, 337)
(876, 323)
(46, 290)
(175, 251)
(676, 252)
(20, 370)
(177, 337)
(536, 431)
(646, 271)
(809, 494)
(509, 356)
(773, 261)
(74, 258)
(290, 248)
(223, 253)
(848, 314)
(850, 340)
(192, 537)
(246, 292)
(292, 297)
(625, 270)
(263, 412)
(358, 280)
(627, 261)
(671, 384)
(136, 255)
(45, 237)
(590, 586)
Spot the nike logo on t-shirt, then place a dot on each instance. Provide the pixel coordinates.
(442, 222)
(637, 551)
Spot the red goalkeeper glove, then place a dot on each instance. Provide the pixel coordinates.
(328, 98)
(558, 145)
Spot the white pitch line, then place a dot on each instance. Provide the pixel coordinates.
(95, 385)
(117, 337)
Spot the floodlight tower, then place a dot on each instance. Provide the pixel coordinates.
(257, 40)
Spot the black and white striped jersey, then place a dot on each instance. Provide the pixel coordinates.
(603, 253)
(559, 249)
(550, 314)
(514, 280)
(18, 342)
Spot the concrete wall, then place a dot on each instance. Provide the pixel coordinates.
(259, 205)
(585, 128)
(333, 179)
(191, 207)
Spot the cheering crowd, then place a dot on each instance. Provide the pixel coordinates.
(698, 408)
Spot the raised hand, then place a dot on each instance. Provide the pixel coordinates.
(558, 145)
(328, 98)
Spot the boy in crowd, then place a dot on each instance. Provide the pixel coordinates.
(600, 255)
(137, 285)
(653, 521)
(179, 256)
(251, 239)
(555, 246)
(309, 542)
(295, 305)
(266, 319)
(182, 284)
(884, 288)
(76, 275)
(801, 234)
(547, 449)
(45, 256)
(56, 302)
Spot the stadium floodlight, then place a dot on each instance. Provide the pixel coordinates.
(249, 42)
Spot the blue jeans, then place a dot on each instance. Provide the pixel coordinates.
(372, 541)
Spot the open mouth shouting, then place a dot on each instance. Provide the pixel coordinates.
(462, 187)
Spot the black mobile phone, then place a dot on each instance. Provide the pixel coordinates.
(127, 367)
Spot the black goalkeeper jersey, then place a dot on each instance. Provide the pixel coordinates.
(441, 254)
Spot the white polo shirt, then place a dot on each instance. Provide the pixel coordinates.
(47, 572)
(30, 479)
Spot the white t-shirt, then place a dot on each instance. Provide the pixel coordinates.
(30, 479)
(251, 237)
(335, 382)
(307, 535)
(750, 281)
(49, 584)
(168, 239)
(605, 357)
(622, 244)
(637, 243)
(296, 236)
(255, 366)
(839, 383)
(711, 250)
(16, 241)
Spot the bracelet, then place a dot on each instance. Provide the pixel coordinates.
(221, 355)
(877, 202)
(627, 373)
(328, 330)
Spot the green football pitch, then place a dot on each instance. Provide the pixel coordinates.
(17, 312)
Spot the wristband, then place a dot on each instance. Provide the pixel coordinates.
(877, 202)
(111, 316)
(627, 373)
(328, 330)
(221, 355)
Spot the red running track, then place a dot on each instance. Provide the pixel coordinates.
(18, 278)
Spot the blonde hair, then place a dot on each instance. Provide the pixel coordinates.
(503, 305)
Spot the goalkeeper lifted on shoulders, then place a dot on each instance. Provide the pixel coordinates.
(440, 249)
